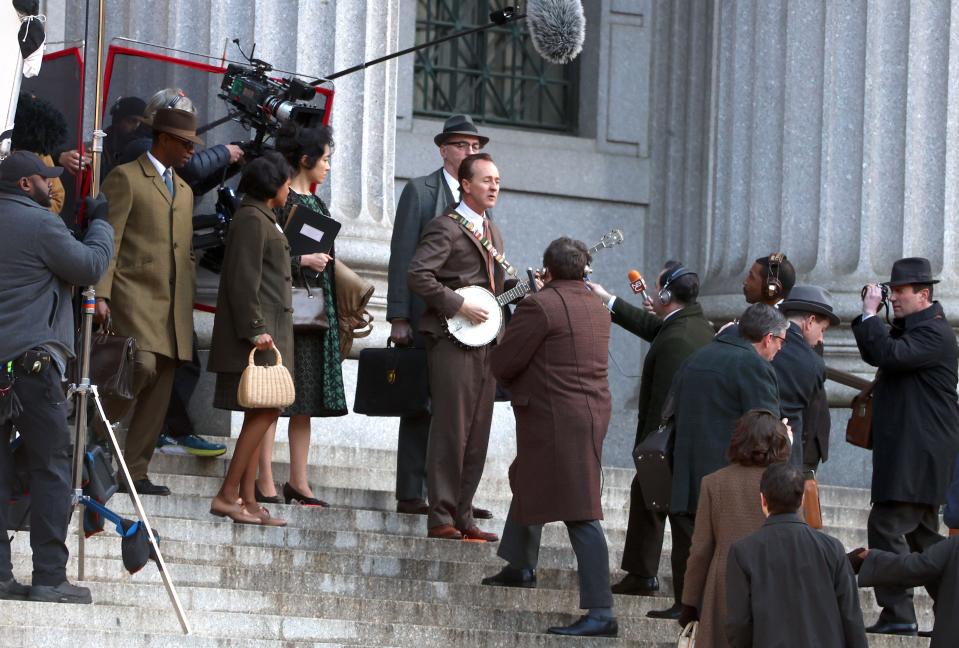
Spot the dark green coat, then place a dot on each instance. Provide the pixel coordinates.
(718, 383)
(672, 341)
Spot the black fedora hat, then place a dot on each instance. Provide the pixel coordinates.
(810, 299)
(459, 125)
(179, 123)
(911, 270)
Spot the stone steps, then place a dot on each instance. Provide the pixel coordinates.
(357, 573)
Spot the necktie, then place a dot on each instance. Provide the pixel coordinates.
(168, 180)
(489, 257)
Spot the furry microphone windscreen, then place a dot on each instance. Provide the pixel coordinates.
(557, 28)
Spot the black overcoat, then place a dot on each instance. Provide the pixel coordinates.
(915, 416)
(801, 374)
(717, 384)
(672, 341)
(789, 586)
(937, 566)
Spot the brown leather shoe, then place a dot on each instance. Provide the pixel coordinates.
(474, 534)
(482, 514)
(444, 532)
(412, 507)
(235, 511)
(266, 519)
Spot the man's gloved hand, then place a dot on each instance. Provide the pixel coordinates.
(96, 208)
(687, 616)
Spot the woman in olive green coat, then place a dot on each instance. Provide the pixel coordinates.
(253, 309)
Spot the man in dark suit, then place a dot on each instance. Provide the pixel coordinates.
(149, 287)
(449, 256)
(717, 384)
(676, 328)
(422, 200)
(915, 423)
(554, 358)
(800, 370)
(788, 585)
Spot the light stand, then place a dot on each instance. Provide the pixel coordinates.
(83, 389)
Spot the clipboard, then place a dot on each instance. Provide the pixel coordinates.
(309, 231)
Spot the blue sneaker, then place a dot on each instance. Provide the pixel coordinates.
(169, 445)
(199, 447)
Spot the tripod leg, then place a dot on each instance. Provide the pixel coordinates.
(164, 574)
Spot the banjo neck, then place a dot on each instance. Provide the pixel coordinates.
(522, 286)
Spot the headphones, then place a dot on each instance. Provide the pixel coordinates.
(773, 287)
(665, 294)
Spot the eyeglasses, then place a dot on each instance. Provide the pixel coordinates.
(466, 146)
(781, 338)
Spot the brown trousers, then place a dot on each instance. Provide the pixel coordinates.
(462, 389)
(152, 387)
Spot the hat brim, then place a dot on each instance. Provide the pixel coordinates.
(440, 139)
(907, 282)
(51, 172)
(809, 307)
(178, 132)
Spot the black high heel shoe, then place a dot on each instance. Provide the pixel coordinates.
(292, 495)
(263, 499)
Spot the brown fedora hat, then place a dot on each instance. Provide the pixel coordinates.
(179, 123)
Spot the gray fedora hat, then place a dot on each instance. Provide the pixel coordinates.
(459, 125)
(810, 299)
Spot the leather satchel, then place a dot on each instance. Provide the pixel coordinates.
(309, 308)
(653, 457)
(392, 382)
(112, 360)
(353, 293)
(859, 427)
(953, 532)
(811, 506)
(269, 387)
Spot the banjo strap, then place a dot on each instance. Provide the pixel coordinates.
(485, 242)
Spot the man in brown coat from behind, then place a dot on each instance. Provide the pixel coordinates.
(553, 358)
(149, 287)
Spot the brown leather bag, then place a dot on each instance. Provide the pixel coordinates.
(309, 308)
(859, 427)
(112, 359)
(811, 506)
(953, 532)
(353, 293)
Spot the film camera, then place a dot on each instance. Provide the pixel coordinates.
(884, 288)
(265, 103)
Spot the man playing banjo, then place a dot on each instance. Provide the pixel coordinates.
(460, 248)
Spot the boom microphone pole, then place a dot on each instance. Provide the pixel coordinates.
(83, 388)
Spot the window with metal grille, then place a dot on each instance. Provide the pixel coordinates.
(495, 75)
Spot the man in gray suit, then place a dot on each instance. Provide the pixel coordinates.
(422, 200)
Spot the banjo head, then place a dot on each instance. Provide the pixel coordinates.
(476, 335)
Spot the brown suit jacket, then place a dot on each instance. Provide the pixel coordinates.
(256, 294)
(151, 281)
(554, 359)
(729, 510)
(447, 258)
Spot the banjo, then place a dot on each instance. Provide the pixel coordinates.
(470, 335)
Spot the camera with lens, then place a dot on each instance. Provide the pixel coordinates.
(265, 103)
(884, 288)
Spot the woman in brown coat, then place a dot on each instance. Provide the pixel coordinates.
(253, 309)
(728, 510)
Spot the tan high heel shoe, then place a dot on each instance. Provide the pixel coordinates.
(234, 511)
(263, 514)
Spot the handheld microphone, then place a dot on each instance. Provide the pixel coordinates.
(557, 28)
(637, 284)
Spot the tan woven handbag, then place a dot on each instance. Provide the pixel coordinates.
(269, 387)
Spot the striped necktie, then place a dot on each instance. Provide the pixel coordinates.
(168, 180)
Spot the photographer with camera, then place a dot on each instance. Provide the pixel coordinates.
(915, 422)
(39, 262)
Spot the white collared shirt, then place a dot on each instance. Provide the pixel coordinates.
(476, 219)
(157, 164)
(453, 184)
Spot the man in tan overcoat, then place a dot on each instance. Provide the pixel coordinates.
(553, 358)
(147, 292)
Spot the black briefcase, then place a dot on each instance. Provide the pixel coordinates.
(653, 457)
(392, 382)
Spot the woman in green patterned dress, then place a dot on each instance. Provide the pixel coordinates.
(318, 374)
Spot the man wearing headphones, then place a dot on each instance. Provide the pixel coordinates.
(553, 357)
(676, 328)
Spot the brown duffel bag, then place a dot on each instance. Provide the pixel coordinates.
(353, 293)
(859, 427)
(811, 506)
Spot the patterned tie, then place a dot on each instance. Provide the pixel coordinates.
(489, 257)
(168, 180)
